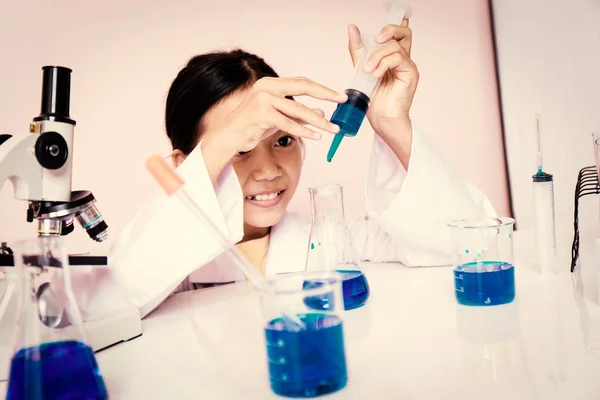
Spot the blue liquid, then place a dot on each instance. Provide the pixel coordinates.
(486, 283)
(306, 363)
(355, 290)
(56, 371)
(349, 118)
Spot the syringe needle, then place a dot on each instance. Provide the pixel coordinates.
(539, 144)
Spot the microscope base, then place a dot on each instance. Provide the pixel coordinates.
(114, 329)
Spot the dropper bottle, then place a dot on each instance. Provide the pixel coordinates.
(349, 116)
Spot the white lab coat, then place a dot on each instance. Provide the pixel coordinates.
(165, 246)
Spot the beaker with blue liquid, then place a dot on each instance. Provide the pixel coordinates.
(331, 246)
(484, 272)
(50, 359)
(305, 360)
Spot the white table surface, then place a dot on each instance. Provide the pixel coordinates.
(410, 341)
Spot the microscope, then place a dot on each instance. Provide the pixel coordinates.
(39, 165)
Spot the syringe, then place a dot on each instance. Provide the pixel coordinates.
(543, 197)
(350, 115)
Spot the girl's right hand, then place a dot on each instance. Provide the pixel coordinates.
(266, 110)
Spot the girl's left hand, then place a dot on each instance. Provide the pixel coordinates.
(390, 104)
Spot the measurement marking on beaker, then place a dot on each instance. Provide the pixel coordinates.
(280, 343)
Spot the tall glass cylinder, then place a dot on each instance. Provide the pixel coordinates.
(51, 359)
(331, 246)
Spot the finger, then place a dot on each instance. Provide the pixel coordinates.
(386, 50)
(395, 61)
(319, 112)
(400, 33)
(292, 127)
(405, 22)
(303, 114)
(299, 87)
(355, 43)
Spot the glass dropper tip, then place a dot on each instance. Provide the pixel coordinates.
(337, 139)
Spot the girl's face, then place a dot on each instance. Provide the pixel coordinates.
(268, 174)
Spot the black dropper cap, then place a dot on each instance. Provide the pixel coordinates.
(56, 95)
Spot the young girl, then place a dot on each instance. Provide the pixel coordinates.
(236, 134)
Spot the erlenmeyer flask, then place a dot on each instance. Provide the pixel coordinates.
(331, 246)
(49, 363)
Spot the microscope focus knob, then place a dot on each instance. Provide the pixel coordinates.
(51, 150)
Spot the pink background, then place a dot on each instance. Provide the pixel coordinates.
(125, 54)
(563, 89)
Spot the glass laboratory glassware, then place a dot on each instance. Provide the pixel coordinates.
(492, 360)
(310, 360)
(8, 306)
(596, 143)
(48, 362)
(484, 273)
(331, 247)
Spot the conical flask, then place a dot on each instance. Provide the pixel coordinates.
(331, 246)
(49, 362)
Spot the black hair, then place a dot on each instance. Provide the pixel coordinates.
(203, 82)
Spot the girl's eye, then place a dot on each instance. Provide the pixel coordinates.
(241, 153)
(285, 141)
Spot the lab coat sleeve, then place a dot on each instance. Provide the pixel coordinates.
(166, 241)
(407, 211)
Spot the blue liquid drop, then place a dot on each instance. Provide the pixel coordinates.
(355, 289)
(306, 363)
(56, 371)
(484, 283)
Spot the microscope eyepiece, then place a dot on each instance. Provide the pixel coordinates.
(56, 94)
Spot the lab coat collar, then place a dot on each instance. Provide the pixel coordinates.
(287, 253)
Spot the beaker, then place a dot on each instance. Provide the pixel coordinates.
(484, 274)
(49, 362)
(310, 360)
(331, 247)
